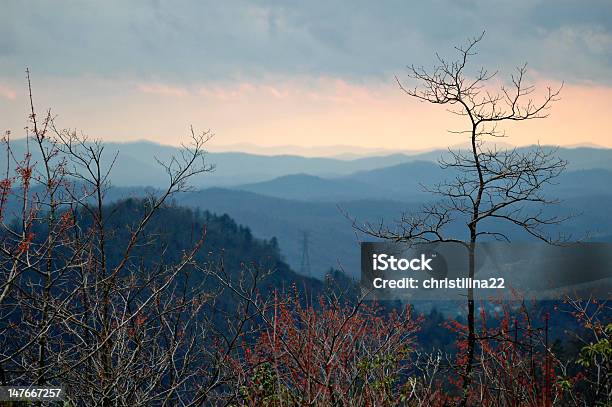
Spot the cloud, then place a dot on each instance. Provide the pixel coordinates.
(275, 72)
(228, 92)
(306, 89)
(194, 40)
(162, 89)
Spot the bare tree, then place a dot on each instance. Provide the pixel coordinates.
(113, 332)
(489, 183)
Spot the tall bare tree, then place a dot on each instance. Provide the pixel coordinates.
(489, 183)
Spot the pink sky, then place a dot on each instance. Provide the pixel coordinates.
(300, 111)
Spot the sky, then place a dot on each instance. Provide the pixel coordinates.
(313, 75)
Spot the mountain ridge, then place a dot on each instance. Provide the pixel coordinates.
(136, 163)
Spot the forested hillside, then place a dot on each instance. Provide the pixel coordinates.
(174, 230)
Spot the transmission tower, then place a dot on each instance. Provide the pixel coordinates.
(305, 265)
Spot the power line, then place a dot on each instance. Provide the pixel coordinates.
(305, 265)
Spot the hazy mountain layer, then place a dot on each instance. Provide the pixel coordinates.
(136, 164)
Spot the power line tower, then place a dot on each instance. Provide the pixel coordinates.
(305, 265)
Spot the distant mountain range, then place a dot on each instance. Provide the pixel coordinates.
(283, 196)
(344, 152)
(136, 163)
(400, 182)
(407, 182)
(334, 243)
